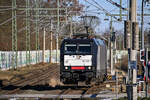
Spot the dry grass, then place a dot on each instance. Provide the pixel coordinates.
(10, 74)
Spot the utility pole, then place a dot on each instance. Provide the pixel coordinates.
(28, 32)
(14, 35)
(37, 31)
(142, 23)
(145, 49)
(146, 89)
(142, 45)
(116, 84)
(133, 51)
(37, 9)
(57, 32)
(43, 53)
(120, 10)
(51, 43)
(66, 17)
(71, 33)
(111, 50)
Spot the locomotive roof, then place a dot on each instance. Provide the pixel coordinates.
(85, 40)
(99, 41)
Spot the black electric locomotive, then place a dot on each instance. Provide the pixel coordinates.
(82, 59)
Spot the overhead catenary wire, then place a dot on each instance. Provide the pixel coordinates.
(101, 8)
(5, 6)
(6, 21)
(116, 4)
(6, 9)
(20, 30)
(11, 19)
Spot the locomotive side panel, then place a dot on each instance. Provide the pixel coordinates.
(105, 49)
(103, 60)
(94, 57)
(98, 71)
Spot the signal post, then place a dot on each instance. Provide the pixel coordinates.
(132, 43)
(134, 46)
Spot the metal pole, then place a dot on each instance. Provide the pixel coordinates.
(57, 30)
(116, 84)
(146, 88)
(120, 10)
(27, 32)
(111, 50)
(14, 35)
(51, 44)
(142, 47)
(71, 28)
(142, 23)
(66, 17)
(132, 18)
(56, 47)
(43, 54)
(37, 31)
(75, 26)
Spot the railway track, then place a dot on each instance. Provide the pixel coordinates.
(42, 76)
(70, 92)
(36, 78)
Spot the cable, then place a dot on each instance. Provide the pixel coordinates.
(101, 8)
(20, 30)
(114, 3)
(6, 21)
(5, 6)
(6, 9)
(9, 19)
(12, 18)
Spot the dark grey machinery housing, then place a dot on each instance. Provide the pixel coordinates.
(97, 50)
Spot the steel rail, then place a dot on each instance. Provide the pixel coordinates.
(31, 80)
(67, 96)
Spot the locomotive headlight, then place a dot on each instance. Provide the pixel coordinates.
(89, 67)
(66, 67)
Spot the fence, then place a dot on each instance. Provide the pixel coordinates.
(6, 58)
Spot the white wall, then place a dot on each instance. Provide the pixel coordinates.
(6, 58)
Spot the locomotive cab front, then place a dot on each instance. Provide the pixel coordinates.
(76, 60)
(83, 59)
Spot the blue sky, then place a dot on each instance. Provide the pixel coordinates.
(113, 10)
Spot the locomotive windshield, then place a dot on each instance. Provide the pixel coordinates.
(77, 48)
(70, 48)
(84, 48)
